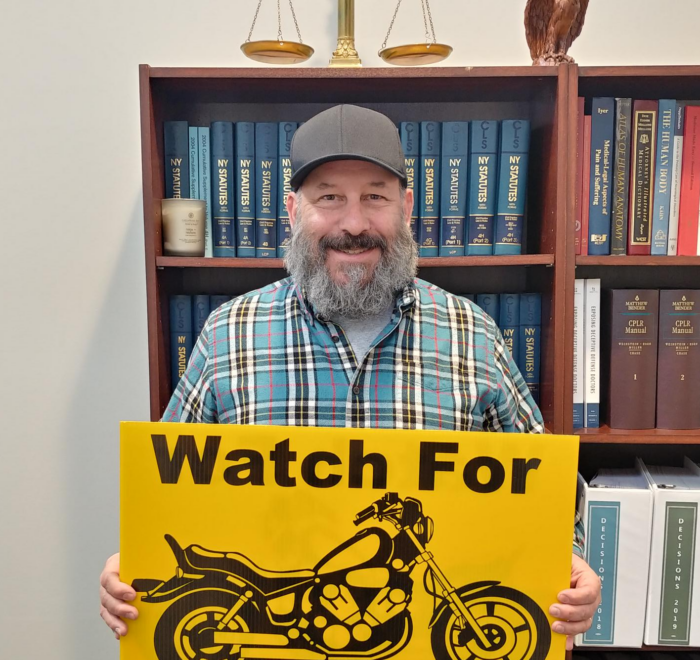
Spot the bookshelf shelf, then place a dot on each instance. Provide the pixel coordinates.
(606, 435)
(439, 262)
(635, 260)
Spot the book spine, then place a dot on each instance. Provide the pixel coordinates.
(633, 316)
(579, 338)
(662, 178)
(602, 136)
(284, 230)
(245, 184)
(200, 313)
(678, 124)
(509, 322)
(690, 184)
(512, 187)
(217, 300)
(529, 349)
(602, 547)
(679, 360)
(454, 170)
(176, 156)
(194, 162)
(266, 189)
(491, 304)
(621, 173)
(592, 354)
(580, 119)
(180, 336)
(429, 213)
(223, 197)
(203, 137)
(585, 205)
(483, 187)
(643, 159)
(410, 141)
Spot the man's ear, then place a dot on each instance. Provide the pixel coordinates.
(407, 206)
(293, 200)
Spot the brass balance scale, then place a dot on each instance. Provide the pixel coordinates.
(345, 55)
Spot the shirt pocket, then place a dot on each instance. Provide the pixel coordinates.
(429, 376)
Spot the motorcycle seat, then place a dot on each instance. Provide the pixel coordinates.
(236, 564)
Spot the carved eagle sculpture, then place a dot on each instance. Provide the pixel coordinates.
(551, 27)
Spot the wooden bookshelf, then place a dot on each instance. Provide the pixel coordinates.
(545, 95)
(606, 435)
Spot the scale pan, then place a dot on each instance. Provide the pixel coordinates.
(415, 54)
(277, 52)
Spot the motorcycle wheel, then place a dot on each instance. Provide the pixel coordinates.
(513, 623)
(184, 630)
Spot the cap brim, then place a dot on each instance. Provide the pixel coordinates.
(299, 176)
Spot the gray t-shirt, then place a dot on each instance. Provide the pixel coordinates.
(362, 332)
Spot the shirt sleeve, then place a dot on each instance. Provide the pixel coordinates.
(579, 532)
(513, 409)
(193, 400)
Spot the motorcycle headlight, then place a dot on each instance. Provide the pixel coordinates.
(429, 528)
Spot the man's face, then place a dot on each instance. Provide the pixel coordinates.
(351, 242)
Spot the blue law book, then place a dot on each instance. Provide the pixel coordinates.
(194, 162)
(483, 187)
(529, 339)
(512, 186)
(266, 151)
(286, 133)
(491, 304)
(180, 336)
(429, 190)
(204, 139)
(216, 301)
(662, 180)
(410, 142)
(177, 160)
(602, 136)
(200, 313)
(245, 185)
(223, 191)
(509, 322)
(454, 169)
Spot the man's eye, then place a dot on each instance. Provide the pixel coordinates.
(375, 196)
(329, 198)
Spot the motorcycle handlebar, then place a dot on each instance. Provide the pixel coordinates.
(365, 514)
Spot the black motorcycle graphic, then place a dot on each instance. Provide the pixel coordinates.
(353, 604)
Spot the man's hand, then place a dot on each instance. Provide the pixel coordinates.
(577, 605)
(113, 598)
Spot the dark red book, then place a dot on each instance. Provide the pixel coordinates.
(631, 326)
(645, 115)
(690, 184)
(678, 391)
(579, 172)
(586, 187)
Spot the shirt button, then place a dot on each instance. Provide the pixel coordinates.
(356, 390)
(336, 337)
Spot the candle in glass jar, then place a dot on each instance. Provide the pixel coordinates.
(183, 227)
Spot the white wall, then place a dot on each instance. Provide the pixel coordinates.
(72, 306)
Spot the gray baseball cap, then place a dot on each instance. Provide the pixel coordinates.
(346, 132)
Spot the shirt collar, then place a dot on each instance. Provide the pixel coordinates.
(405, 299)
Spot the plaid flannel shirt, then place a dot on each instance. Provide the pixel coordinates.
(440, 363)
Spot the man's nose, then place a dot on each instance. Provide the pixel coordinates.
(355, 219)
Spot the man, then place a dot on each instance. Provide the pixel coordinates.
(352, 338)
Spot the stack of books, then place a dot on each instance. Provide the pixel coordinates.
(469, 180)
(638, 186)
(645, 345)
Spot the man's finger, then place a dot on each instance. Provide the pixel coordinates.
(113, 585)
(587, 591)
(573, 612)
(117, 608)
(118, 627)
(571, 628)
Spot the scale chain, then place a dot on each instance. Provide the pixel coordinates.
(391, 25)
(255, 18)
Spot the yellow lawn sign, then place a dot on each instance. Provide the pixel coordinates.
(310, 544)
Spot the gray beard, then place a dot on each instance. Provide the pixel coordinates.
(365, 293)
